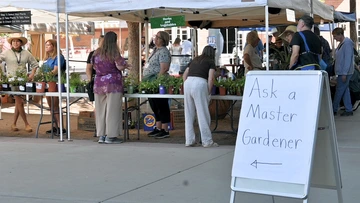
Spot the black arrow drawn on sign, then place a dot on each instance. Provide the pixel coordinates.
(255, 163)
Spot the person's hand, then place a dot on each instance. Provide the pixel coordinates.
(31, 76)
(128, 66)
(343, 78)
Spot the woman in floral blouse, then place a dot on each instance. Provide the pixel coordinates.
(108, 89)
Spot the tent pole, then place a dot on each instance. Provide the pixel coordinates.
(146, 44)
(140, 52)
(267, 34)
(59, 74)
(67, 76)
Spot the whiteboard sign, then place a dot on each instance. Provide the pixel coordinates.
(277, 126)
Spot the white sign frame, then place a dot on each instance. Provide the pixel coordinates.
(324, 143)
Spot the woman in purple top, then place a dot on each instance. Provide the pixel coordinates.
(108, 89)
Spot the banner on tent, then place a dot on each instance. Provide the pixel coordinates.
(15, 18)
(167, 21)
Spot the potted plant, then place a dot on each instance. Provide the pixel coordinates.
(221, 83)
(39, 78)
(148, 87)
(131, 83)
(280, 58)
(240, 83)
(51, 82)
(63, 82)
(4, 81)
(82, 86)
(75, 81)
(163, 82)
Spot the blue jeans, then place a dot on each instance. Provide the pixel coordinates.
(342, 92)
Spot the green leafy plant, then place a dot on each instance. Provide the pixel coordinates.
(63, 79)
(3, 77)
(281, 57)
(175, 83)
(75, 79)
(163, 80)
(50, 77)
(19, 78)
(149, 87)
(131, 79)
(40, 75)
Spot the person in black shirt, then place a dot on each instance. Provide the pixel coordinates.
(299, 56)
(90, 71)
(198, 82)
(326, 51)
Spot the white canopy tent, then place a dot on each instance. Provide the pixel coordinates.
(10, 29)
(44, 16)
(221, 13)
(224, 13)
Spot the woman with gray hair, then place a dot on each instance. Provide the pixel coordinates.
(198, 82)
(251, 58)
(158, 64)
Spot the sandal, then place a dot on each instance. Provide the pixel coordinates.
(28, 128)
(14, 128)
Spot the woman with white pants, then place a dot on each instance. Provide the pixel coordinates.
(198, 82)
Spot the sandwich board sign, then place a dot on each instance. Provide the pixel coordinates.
(286, 141)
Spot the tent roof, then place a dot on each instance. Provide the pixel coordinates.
(340, 16)
(221, 13)
(224, 13)
(10, 29)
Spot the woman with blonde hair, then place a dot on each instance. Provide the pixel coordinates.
(198, 82)
(108, 89)
(16, 58)
(51, 61)
(251, 58)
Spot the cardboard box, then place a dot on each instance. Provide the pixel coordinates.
(88, 114)
(86, 123)
(86, 120)
(150, 122)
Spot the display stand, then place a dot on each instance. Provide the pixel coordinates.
(286, 138)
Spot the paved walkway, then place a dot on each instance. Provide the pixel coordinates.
(47, 171)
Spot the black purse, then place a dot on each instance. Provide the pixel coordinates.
(90, 90)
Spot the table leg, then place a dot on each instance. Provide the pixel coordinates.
(41, 116)
(138, 117)
(232, 116)
(216, 115)
(126, 130)
(0, 107)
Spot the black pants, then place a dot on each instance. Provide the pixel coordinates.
(161, 109)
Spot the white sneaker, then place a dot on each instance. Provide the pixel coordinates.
(191, 145)
(212, 144)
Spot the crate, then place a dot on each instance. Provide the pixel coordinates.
(88, 114)
(178, 116)
(86, 120)
(86, 123)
